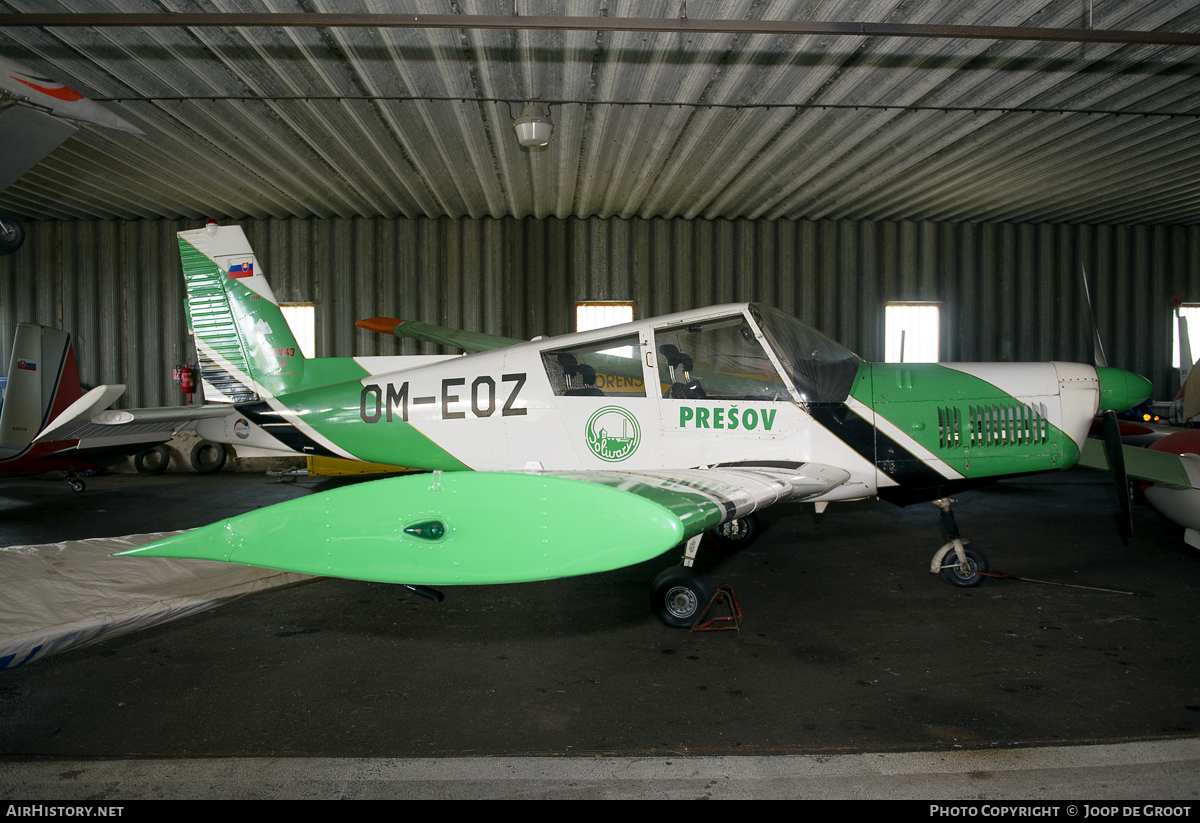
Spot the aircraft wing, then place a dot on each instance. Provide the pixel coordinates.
(464, 527)
(1159, 467)
(47, 94)
(28, 135)
(1172, 465)
(472, 341)
(95, 426)
(40, 117)
(706, 498)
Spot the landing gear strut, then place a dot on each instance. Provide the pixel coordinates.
(681, 594)
(737, 533)
(958, 565)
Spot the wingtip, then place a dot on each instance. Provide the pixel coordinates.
(383, 325)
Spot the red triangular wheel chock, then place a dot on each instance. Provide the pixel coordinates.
(704, 623)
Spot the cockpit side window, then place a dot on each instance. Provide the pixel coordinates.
(610, 368)
(716, 359)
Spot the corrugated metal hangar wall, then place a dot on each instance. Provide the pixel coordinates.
(1008, 291)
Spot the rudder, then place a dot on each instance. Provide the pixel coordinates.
(246, 349)
(43, 379)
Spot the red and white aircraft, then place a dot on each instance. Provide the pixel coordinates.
(37, 114)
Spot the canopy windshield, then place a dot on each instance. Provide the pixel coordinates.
(821, 369)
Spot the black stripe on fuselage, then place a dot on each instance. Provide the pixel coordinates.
(273, 423)
(887, 455)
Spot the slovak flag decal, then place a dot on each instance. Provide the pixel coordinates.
(242, 269)
(27, 365)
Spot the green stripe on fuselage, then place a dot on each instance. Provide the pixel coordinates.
(981, 431)
(335, 412)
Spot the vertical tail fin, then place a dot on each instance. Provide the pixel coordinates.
(246, 349)
(43, 379)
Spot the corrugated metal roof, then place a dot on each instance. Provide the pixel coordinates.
(377, 122)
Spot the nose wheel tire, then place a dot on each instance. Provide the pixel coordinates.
(679, 595)
(956, 575)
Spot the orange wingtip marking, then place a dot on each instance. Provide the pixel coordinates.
(383, 325)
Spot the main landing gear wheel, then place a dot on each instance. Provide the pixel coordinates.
(956, 575)
(153, 460)
(738, 533)
(679, 595)
(208, 457)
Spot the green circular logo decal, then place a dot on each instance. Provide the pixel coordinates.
(613, 434)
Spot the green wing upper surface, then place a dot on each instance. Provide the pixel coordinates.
(458, 528)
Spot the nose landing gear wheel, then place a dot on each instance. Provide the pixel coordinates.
(954, 574)
(679, 595)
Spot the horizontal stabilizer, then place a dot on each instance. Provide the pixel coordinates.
(414, 329)
(80, 412)
(89, 419)
(452, 528)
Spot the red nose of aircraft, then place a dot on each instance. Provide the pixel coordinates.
(1121, 390)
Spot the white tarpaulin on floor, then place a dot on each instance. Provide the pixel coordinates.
(60, 596)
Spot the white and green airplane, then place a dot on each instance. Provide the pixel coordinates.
(592, 451)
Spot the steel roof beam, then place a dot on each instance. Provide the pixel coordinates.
(678, 25)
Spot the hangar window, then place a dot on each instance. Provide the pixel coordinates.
(911, 332)
(302, 320)
(1191, 313)
(597, 314)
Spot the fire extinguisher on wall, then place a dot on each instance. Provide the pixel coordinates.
(185, 376)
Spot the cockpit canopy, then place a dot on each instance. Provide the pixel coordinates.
(719, 358)
(821, 369)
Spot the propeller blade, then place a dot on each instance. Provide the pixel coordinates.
(1098, 358)
(1116, 459)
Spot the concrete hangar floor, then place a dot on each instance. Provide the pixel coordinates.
(856, 673)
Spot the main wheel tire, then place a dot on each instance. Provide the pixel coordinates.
(153, 460)
(955, 575)
(679, 595)
(747, 529)
(12, 234)
(208, 457)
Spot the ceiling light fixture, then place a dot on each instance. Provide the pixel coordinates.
(533, 128)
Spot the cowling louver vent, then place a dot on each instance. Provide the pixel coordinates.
(1014, 424)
